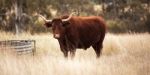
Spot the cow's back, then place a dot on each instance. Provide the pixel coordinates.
(85, 31)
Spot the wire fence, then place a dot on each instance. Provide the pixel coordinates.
(19, 46)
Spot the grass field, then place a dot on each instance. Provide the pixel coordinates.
(123, 54)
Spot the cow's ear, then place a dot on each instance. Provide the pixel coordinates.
(66, 23)
(48, 24)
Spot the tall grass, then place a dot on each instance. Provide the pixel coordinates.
(123, 54)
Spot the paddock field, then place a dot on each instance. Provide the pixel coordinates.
(123, 54)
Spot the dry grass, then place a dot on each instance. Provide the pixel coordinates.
(124, 54)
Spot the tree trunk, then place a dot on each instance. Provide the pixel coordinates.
(18, 12)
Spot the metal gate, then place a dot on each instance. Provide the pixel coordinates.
(20, 46)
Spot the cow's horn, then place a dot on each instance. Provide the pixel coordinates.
(67, 19)
(44, 18)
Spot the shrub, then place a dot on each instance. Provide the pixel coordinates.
(116, 26)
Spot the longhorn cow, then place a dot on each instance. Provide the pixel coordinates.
(76, 32)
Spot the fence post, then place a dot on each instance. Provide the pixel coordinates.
(34, 50)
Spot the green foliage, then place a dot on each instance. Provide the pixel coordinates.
(121, 15)
(147, 23)
(38, 27)
(116, 26)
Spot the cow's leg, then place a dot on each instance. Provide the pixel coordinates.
(72, 53)
(65, 53)
(63, 48)
(97, 47)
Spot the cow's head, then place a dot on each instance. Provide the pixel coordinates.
(58, 25)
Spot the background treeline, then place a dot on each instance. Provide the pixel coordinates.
(121, 15)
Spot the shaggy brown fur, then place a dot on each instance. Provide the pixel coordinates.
(79, 32)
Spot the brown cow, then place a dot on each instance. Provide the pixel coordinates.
(74, 32)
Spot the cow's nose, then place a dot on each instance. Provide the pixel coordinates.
(56, 36)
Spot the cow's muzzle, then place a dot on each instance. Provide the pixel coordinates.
(56, 36)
